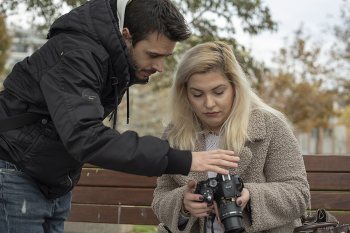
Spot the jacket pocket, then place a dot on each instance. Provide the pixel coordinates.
(48, 162)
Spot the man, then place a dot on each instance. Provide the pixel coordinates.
(55, 100)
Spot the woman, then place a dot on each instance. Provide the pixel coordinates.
(213, 106)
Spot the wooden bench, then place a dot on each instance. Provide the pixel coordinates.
(104, 196)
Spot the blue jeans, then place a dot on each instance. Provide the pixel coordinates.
(24, 209)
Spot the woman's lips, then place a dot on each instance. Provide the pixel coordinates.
(211, 114)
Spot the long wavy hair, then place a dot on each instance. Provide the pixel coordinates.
(184, 126)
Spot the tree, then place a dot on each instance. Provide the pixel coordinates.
(254, 16)
(208, 19)
(4, 44)
(298, 87)
(203, 17)
(340, 54)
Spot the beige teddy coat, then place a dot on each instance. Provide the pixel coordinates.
(272, 169)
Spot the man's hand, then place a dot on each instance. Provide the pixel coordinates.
(214, 160)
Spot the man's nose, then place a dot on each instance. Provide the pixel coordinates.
(159, 65)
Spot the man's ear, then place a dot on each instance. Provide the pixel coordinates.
(126, 35)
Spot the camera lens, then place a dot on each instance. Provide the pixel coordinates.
(231, 217)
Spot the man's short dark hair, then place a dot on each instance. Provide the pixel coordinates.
(143, 17)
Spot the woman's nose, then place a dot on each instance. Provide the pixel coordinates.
(209, 102)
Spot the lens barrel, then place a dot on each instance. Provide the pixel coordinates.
(231, 217)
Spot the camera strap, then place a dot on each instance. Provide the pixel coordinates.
(18, 121)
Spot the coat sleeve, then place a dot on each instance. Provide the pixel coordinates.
(285, 195)
(167, 203)
(72, 90)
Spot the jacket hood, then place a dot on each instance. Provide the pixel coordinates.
(96, 20)
(118, 8)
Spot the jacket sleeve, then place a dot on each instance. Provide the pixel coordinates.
(285, 195)
(72, 91)
(167, 203)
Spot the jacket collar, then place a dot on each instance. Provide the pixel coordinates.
(121, 5)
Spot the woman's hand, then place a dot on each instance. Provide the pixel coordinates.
(243, 200)
(193, 203)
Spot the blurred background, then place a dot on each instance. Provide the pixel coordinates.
(295, 53)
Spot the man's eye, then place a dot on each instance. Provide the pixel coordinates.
(152, 55)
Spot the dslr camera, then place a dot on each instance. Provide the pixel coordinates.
(224, 189)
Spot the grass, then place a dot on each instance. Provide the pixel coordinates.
(144, 229)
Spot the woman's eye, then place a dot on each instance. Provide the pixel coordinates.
(219, 92)
(197, 95)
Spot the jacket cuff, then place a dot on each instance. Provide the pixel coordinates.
(179, 162)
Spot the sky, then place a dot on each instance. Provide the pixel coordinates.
(317, 16)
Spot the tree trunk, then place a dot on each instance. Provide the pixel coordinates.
(319, 140)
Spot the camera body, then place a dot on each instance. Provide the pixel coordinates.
(224, 189)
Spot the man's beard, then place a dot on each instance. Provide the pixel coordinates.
(131, 60)
(135, 68)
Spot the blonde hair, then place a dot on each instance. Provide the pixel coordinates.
(184, 125)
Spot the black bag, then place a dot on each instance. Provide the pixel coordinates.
(321, 222)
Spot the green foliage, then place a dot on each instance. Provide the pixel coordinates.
(5, 42)
(208, 19)
(345, 116)
(144, 229)
(204, 15)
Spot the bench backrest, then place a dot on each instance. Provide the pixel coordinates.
(104, 196)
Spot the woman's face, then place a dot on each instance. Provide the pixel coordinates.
(211, 97)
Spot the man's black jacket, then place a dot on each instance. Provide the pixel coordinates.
(69, 80)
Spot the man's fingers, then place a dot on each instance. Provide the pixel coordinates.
(223, 163)
(215, 160)
(219, 170)
(221, 151)
(224, 156)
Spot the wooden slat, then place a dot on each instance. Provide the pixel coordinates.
(137, 215)
(327, 163)
(342, 216)
(107, 178)
(330, 200)
(127, 196)
(112, 214)
(112, 195)
(329, 181)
